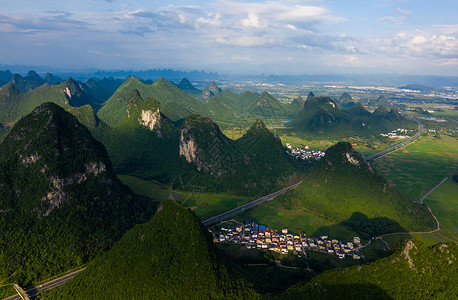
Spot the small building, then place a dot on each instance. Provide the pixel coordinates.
(284, 230)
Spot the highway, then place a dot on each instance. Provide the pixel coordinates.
(248, 205)
(47, 286)
(397, 146)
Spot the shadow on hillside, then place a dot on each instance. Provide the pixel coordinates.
(365, 227)
(337, 291)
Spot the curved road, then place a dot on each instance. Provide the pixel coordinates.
(437, 228)
(397, 146)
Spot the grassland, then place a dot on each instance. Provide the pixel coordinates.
(275, 215)
(204, 204)
(416, 168)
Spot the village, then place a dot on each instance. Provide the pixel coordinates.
(304, 154)
(254, 236)
(397, 134)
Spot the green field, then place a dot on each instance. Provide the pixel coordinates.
(416, 168)
(142, 187)
(203, 204)
(444, 203)
(275, 215)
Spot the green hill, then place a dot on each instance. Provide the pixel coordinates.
(345, 189)
(15, 104)
(170, 257)
(60, 201)
(113, 112)
(359, 111)
(211, 91)
(413, 271)
(321, 115)
(254, 164)
(267, 106)
(28, 83)
(381, 100)
(102, 90)
(345, 98)
(145, 144)
(186, 86)
(52, 79)
(5, 77)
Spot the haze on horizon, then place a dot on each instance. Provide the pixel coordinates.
(246, 37)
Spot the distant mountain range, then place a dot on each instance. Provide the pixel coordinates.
(177, 75)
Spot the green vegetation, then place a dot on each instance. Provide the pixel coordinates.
(413, 271)
(60, 202)
(68, 95)
(342, 196)
(321, 115)
(256, 163)
(145, 144)
(342, 184)
(142, 187)
(444, 204)
(204, 204)
(419, 166)
(277, 214)
(113, 113)
(170, 257)
(258, 267)
(186, 86)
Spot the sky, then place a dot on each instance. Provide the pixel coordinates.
(232, 36)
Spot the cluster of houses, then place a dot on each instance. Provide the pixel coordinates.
(254, 236)
(396, 134)
(304, 154)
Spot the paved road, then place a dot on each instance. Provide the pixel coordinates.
(437, 228)
(432, 190)
(397, 146)
(241, 208)
(48, 285)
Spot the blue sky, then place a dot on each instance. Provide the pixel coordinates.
(232, 36)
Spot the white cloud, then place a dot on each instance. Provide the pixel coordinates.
(210, 20)
(291, 26)
(440, 42)
(404, 12)
(245, 41)
(391, 20)
(240, 58)
(277, 11)
(253, 21)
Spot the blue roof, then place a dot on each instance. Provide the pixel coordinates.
(262, 227)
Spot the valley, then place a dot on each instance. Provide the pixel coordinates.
(225, 151)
